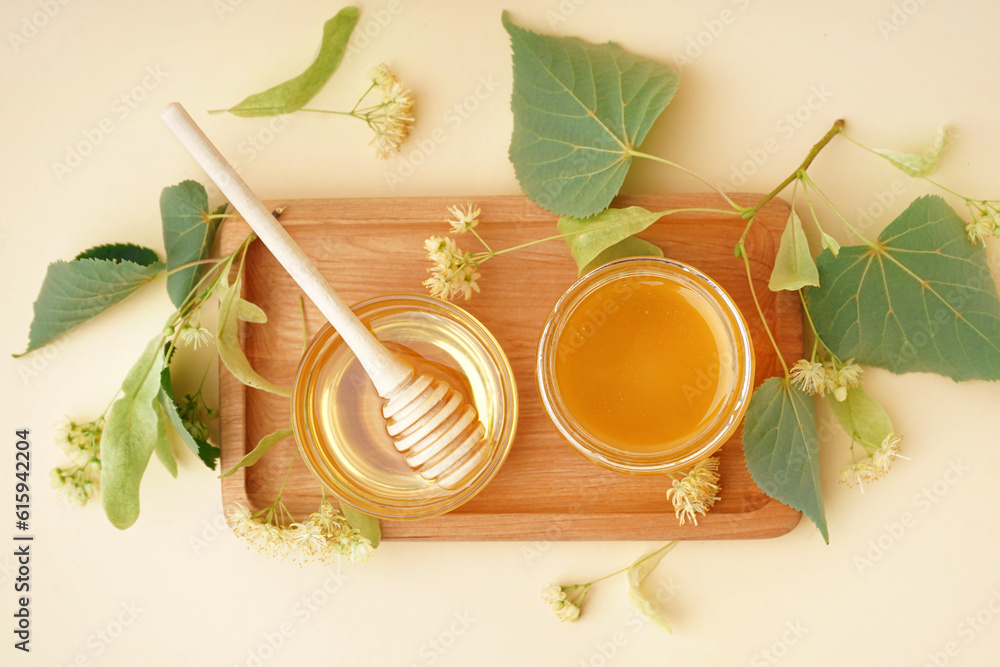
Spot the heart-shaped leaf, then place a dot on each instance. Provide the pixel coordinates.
(73, 292)
(188, 232)
(782, 449)
(922, 299)
(580, 110)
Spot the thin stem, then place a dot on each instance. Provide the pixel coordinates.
(807, 181)
(687, 171)
(760, 311)
(836, 129)
(363, 96)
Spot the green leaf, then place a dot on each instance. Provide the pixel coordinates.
(121, 252)
(580, 110)
(295, 93)
(782, 450)
(794, 267)
(162, 449)
(637, 572)
(587, 238)
(205, 451)
(630, 246)
(917, 165)
(829, 242)
(130, 435)
(188, 232)
(73, 292)
(922, 300)
(232, 309)
(268, 441)
(365, 524)
(863, 419)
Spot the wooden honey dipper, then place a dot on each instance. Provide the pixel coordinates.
(429, 422)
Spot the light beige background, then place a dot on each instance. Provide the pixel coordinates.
(177, 588)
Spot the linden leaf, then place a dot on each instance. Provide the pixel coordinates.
(630, 246)
(782, 450)
(862, 417)
(130, 435)
(794, 267)
(580, 110)
(637, 572)
(73, 292)
(232, 309)
(162, 448)
(188, 232)
(365, 524)
(205, 451)
(923, 299)
(265, 444)
(587, 238)
(917, 165)
(295, 93)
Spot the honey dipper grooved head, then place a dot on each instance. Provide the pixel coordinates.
(439, 433)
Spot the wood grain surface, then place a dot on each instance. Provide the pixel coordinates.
(545, 490)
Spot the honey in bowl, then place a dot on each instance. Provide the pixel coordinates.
(645, 365)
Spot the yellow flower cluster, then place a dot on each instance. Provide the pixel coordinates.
(696, 491)
(556, 597)
(79, 482)
(454, 272)
(325, 537)
(394, 118)
(819, 379)
(874, 466)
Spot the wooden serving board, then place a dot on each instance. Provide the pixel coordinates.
(545, 490)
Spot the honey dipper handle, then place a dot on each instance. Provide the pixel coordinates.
(386, 371)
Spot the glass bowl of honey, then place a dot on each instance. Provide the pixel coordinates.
(337, 413)
(645, 365)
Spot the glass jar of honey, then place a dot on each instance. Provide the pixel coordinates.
(645, 365)
(337, 413)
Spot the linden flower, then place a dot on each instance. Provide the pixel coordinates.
(195, 336)
(464, 219)
(979, 228)
(875, 466)
(453, 272)
(564, 608)
(809, 376)
(696, 491)
(325, 537)
(839, 380)
(392, 118)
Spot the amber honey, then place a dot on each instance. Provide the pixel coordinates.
(645, 365)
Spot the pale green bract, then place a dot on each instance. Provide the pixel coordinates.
(637, 572)
(265, 444)
(365, 524)
(782, 449)
(917, 165)
(631, 246)
(580, 110)
(73, 292)
(188, 232)
(587, 238)
(163, 450)
(794, 267)
(130, 435)
(295, 93)
(233, 309)
(862, 418)
(922, 299)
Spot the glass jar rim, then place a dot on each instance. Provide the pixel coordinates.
(349, 492)
(704, 442)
